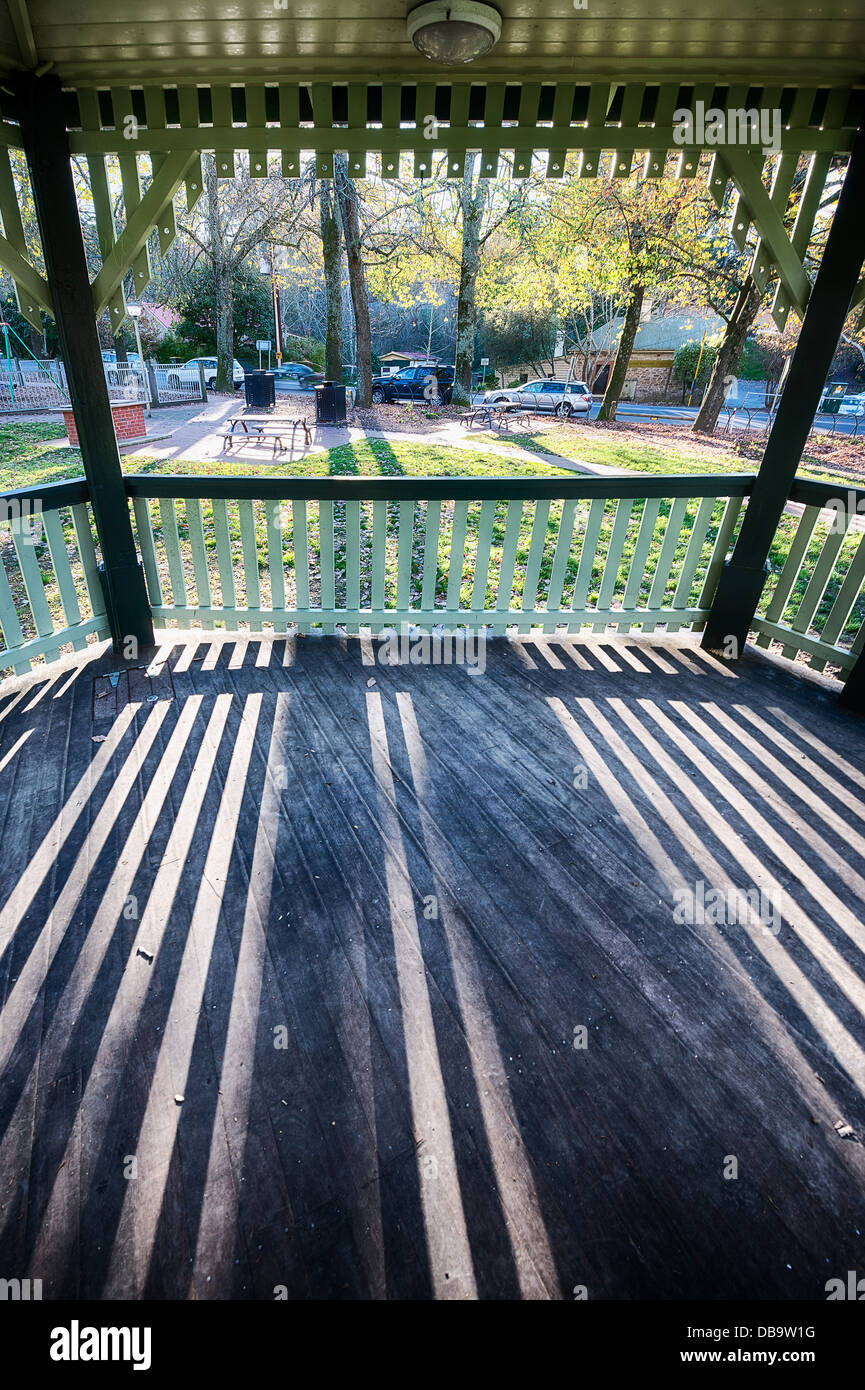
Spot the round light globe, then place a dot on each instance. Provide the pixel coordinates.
(454, 33)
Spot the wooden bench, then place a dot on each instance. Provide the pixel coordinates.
(497, 417)
(275, 427)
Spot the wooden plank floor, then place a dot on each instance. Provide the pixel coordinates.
(297, 952)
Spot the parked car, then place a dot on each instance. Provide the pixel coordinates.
(299, 372)
(188, 373)
(562, 398)
(414, 384)
(852, 405)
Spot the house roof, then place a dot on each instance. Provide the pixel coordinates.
(396, 356)
(673, 330)
(662, 334)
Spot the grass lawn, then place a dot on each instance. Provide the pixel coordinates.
(668, 449)
(28, 457)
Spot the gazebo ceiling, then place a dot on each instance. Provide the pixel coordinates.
(103, 41)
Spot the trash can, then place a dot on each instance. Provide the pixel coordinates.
(260, 388)
(329, 404)
(833, 395)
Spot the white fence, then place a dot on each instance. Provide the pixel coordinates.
(26, 384)
(173, 384)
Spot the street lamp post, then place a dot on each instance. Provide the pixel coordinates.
(277, 307)
(134, 312)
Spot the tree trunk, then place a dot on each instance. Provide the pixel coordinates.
(470, 262)
(222, 286)
(617, 376)
(37, 342)
(347, 195)
(224, 328)
(120, 348)
(724, 367)
(331, 247)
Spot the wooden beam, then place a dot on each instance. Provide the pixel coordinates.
(138, 228)
(23, 32)
(742, 580)
(342, 139)
(40, 105)
(29, 304)
(23, 274)
(768, 221)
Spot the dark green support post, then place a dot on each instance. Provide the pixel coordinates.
(742, 579)
(43, 133)
(853, 693)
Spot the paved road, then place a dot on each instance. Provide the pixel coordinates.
(685, 416)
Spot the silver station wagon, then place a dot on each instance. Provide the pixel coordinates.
(562, 398)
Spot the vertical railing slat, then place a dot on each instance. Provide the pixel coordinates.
(458, 550)
(225, 562)
(614, 558)
(719, 556)
(405, 545)
(790, 570)
(482, 557)
(537, 544)
(820, 576)
(352, 559)
(693, 554)
(275, 563)
(379, 554)
(32, 576)
(562, 555)
(645, 536)
(588, 551)
(511, 540)
(87, 556)
(144, 528)
(62, 571)
(660, 579)
(300, 544)
(325, 561)
(249, 552)
(9, 622)
(198, 548)
(430, 554)
(171, 541)
(842, 607)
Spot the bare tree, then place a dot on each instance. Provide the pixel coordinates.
(239, 215)
(331, 251)
(346, 193)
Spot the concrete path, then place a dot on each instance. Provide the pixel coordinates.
(196, 436)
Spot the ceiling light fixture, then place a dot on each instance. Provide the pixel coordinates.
(454, 33)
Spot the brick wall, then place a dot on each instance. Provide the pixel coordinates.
(128, 423)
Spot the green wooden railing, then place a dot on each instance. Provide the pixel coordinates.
(816, 606)
(376, 552)
(50, 592)
(517, 554)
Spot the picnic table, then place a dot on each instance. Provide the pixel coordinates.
(275, 427)
(497, 417)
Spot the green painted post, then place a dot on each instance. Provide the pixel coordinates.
(46, 145)
(742, 580)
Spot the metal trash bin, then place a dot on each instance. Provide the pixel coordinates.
(260, 388)
(329, 404)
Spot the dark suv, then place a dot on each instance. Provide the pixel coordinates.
(427, 383)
